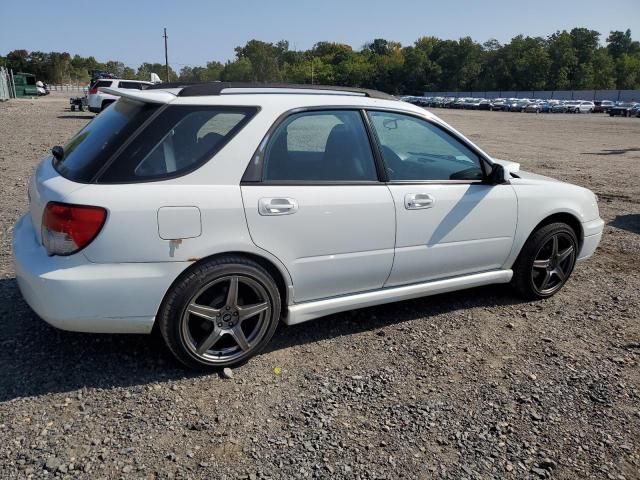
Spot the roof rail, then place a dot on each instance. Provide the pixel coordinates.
(217, 88)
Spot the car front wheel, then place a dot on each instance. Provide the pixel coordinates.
(545, 262)
(220, 314)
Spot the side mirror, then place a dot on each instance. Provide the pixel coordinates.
(497, 175)
(57, 152)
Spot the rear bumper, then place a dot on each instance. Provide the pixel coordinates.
(72, 293)
(592, 234)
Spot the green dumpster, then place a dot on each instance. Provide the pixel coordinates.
(25, 84)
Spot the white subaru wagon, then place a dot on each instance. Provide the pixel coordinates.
(213, 211)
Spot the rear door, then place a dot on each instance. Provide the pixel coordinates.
(315, 202)
(449, 222)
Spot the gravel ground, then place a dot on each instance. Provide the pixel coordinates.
(474, 384)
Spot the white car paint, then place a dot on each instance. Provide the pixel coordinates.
(344, 247)
(110, 93)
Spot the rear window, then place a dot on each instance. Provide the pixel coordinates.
(92, 146)
(179, 140)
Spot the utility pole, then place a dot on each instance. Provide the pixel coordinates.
(166, 55)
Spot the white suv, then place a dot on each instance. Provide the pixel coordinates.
(98, 100)
(214, 211)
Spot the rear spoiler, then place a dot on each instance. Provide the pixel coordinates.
(146, 96)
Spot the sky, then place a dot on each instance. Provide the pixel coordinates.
(200, 31)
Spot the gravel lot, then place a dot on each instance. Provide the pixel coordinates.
(474, 384)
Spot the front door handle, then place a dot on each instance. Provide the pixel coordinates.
(277, 206)
(417, 201)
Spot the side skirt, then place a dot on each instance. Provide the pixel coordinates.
(302, 312)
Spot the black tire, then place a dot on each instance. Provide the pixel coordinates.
(176, 323)
(528, 279)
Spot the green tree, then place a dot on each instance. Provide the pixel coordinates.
(619, 43)
(264, 58)
(240, 70)
(145, 70)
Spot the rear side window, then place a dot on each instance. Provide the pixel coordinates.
(132, 85)
(102, 83)
(92, 146)
(177, 141)
(320, 146)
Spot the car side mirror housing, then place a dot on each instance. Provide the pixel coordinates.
(57, 152)
(497, 175)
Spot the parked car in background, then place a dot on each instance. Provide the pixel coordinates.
(580, 106)
(622, 109)
(559, 107)
(519, 105)
(98, 101)
(600, 106)
(209, 212)
(545, 107)
(43, 88)
(458, 103)
(448, 102)
(484, 104)
(498, 104)
(635, 111)
(532, 107)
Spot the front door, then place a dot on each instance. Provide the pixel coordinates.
(319, 208)
(449, 223)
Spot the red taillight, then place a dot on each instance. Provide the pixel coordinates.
(93, 91)
(67, 229)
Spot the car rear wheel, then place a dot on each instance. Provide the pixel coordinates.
(220, 314)
(546, 261)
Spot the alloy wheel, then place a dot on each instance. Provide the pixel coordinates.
(553, 263)
(226, 319)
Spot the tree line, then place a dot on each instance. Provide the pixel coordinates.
(565, 60)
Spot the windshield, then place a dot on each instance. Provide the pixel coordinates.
(92, 146)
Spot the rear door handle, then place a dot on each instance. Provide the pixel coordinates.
(277, 206)
(417, 201)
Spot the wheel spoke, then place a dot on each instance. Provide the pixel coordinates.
(546, 280)
(210, 341)
(203, 311)
(248, 311)
(240, 338)
(559, 273)
(554, 251)
(541, 263)
(232, 293)
(562, 256)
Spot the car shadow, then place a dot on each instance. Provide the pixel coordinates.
(629, 222)
(38, 359)
(617, 151)
(77, 117)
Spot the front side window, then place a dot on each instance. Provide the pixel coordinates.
(178, 140)
(320, 146)
(414, 149)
